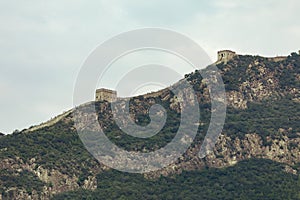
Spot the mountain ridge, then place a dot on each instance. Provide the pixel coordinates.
(159, 92)
(261, 93)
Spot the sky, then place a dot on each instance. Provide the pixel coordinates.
(44, 43)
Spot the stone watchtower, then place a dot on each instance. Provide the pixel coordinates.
(225, 55)
(103, 94)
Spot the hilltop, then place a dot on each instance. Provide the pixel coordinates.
(261, 129)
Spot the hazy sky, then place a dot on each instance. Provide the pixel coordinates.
(43, 43)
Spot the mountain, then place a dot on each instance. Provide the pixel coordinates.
(257, 156)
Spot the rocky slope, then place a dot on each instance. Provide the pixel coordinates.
(262, 122)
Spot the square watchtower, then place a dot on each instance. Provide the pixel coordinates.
(225, 55)
(104, 94)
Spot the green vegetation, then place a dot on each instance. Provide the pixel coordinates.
(251, 179)
(55, 147)
(24, 179)
(289, 72)
(237, 74)
(264, 118)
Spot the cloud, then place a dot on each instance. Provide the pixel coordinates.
(158, 13)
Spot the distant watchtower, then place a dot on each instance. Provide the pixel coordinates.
(103, 94)
(225, 55)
